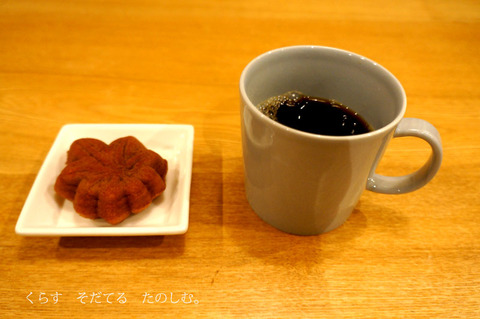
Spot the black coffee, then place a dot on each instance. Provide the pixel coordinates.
(314, 115)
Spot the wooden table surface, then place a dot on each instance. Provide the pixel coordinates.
(415, 255)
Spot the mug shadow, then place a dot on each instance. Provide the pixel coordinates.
(246, 230)
(286, 250)
(382, 219)
(259, 240)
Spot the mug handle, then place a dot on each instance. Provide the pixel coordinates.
(407, 183)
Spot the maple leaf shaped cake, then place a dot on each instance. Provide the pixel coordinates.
(111, 181)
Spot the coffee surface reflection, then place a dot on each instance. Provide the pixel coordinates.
(314, 114)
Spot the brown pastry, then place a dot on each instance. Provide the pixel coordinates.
(111, 181)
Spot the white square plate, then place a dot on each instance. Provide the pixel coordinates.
(47, 214)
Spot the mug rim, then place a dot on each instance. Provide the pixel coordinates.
(288, 130)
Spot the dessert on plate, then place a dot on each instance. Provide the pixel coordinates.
(111, 181)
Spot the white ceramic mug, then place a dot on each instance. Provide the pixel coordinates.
(307, 184)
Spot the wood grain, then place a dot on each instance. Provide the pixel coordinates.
(414, 255)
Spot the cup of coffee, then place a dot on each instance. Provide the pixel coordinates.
(315, 123)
